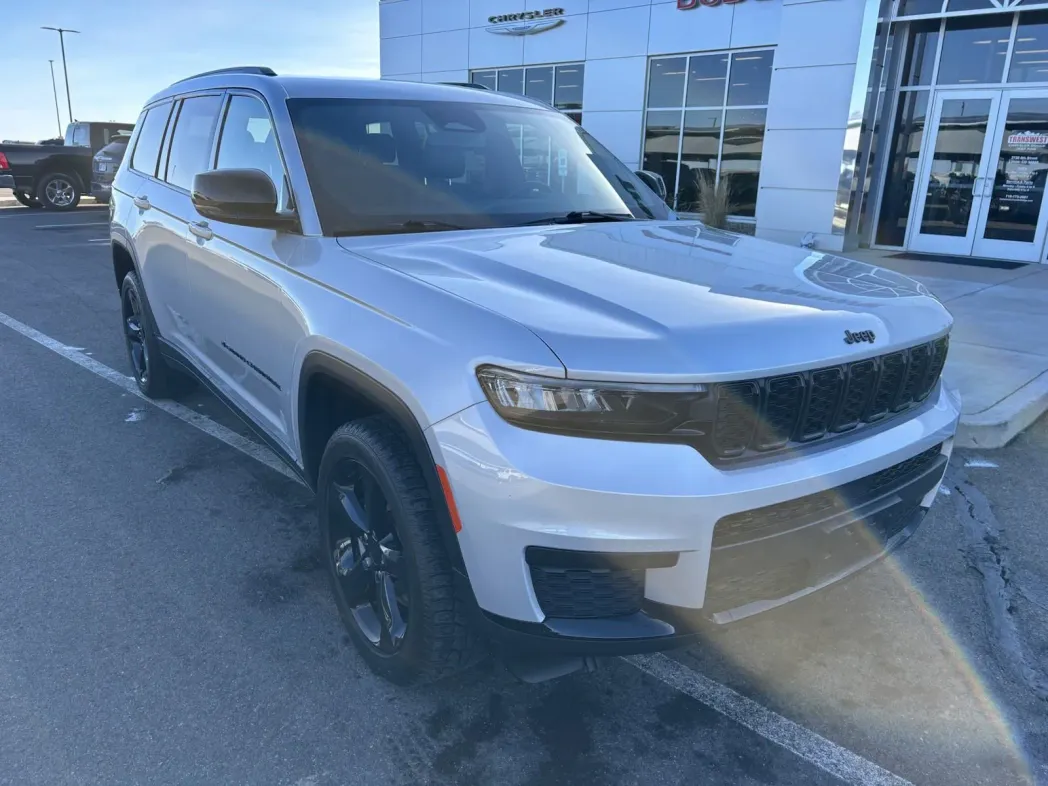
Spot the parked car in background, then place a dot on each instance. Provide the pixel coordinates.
(55, 176)
(104, 166)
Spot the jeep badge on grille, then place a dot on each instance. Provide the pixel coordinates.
(858, 338)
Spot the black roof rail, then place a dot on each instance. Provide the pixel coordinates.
(474, 85)
(259, 70)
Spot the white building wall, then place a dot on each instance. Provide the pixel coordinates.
(814, 71)
(817, 45)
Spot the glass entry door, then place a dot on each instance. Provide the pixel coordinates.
(1012, 219)
(951, 181)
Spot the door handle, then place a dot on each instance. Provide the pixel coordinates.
(142, 203)
(976, 189)
(988, 187)
(201, 230)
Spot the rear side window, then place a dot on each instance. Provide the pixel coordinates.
(191, 141)
(147, 149)
(81, 135)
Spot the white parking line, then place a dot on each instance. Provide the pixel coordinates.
(812, 747)
(195, 419)
(73, 224)
(808, 745)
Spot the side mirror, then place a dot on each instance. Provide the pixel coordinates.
(653, 181)
(240, 196)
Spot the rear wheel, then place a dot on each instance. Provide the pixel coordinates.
(391, 576)
(154, 377)
(58, 191)
(24, 199)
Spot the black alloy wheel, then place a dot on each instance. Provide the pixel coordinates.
(367, 558)
(381, 544)
(134, 335)
(154, 377)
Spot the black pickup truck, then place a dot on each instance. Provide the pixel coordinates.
(55, 176)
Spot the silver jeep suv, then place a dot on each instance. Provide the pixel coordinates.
(536, 407)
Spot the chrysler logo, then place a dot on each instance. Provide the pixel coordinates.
(526, 22)
(858, 338)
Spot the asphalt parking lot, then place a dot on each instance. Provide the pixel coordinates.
(164, 618)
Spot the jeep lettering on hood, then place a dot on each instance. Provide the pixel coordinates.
(669, 302)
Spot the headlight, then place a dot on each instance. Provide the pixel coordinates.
(597, 409)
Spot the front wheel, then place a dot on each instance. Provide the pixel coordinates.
(391, 576)
(58, 191)
(24, 199)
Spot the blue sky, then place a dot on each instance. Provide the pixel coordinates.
(128, 50)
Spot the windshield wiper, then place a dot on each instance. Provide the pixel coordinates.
(580, 217)
(395, 227)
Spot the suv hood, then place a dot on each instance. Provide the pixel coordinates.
(669, 301)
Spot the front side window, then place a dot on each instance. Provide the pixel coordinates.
(248, 141)
(147, 148)
(385, 166)
(191, 140)
(705, 123)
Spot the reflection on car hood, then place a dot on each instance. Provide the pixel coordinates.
(669, 300)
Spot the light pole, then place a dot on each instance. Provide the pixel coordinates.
(61, 40)
(54, 87)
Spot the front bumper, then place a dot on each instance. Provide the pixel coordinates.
(517, 490)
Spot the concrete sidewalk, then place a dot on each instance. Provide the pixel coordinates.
(998, 350)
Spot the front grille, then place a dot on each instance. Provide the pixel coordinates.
(773, 413)
(785, 516)
(577, 593)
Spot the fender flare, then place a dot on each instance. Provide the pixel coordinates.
(384, 399)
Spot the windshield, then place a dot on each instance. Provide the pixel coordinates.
(378, 166)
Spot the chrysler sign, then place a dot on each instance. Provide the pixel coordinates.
(526, 22)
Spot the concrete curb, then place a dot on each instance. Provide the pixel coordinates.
(1005, 420)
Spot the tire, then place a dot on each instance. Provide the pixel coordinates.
(58, 191)
(154, 377)
(24, 199)
(368, 465)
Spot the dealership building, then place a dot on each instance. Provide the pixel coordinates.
(920, 125)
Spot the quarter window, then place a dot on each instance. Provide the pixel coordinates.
(147, 148)
(191, 141)
(249, 141)
(705, 121)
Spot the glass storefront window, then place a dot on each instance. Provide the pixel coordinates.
(750, 78)
(920, 56)
(666, 81)
(914, 7)
(970, 5)
(741, 157)
(558, 85)
(706, 76)
(974, 49)
(568, 91)
(538, 83)
(488, 79)
(1030, 54)
(902, 167)
(695, 133)
(699, 154)
(511, 80)
(662, 146)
